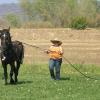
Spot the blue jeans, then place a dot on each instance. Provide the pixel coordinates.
(57, 64)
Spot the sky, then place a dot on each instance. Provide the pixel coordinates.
(8, 1)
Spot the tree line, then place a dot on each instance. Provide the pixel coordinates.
(58, 13)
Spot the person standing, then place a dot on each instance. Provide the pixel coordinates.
(55, 53)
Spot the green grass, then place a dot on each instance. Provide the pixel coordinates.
(35, 84)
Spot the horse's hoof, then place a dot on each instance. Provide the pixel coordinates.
(12, 81)
(5, 83)
(16, 80)
(3, 78)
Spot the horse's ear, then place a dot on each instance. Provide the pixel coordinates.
(11, 36)
(0, 32)
(9, 29)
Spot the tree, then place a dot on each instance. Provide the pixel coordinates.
(88, 9)
(59, 12)
(13, 20)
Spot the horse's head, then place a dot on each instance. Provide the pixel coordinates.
(5, 38)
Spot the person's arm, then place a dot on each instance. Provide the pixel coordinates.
(61, 51)
(47, 51)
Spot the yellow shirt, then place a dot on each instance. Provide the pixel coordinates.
(55, 52)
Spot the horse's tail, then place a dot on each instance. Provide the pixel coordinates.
(19, 51)
(22, 54)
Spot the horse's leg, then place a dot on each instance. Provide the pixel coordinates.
(11, 73)
(5, 73)
(17, 69)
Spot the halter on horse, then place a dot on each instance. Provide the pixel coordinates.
(12, 52)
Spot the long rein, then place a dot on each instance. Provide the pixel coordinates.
(86, 76)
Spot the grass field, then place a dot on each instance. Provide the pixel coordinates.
(80, 46)
(35, 84)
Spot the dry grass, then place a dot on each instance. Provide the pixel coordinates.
(79, 45)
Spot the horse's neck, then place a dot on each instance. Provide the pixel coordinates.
(9, 46)
(10, 39)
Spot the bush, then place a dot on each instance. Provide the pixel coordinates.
(13, 20)
(34, 24)
(78, 23)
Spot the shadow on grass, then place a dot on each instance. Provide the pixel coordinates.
(20, 82)
(24, 82)
(65, 78)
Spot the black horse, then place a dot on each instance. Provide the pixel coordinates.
(12, 53)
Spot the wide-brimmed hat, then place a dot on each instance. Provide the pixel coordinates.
(56, 40)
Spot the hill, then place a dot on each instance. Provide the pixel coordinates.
(10, 8)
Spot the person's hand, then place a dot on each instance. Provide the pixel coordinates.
(46, 51)
(60, 53)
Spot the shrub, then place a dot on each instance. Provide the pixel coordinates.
(13, 20)
(34, 24)
(78, 23)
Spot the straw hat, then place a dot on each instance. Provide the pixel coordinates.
(56, 40)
